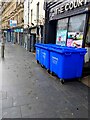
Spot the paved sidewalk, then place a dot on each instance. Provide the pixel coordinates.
(28, 91)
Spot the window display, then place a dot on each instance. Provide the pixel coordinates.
(61, 32)
(76, 29)
(88, 36)
(87, 44)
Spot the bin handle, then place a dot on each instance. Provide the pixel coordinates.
(67, 53)
(82, 53)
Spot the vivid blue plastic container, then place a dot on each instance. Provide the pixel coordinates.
(45, 57)
(67, 63)
(38, 52)
(43, 54)
(53, 46)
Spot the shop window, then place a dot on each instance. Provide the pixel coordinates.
(61, 32)
(87, 44)
(75, 31)
(88, 36)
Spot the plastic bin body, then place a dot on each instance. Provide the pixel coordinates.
(55, 62)
(45, 58)
(38, 53)
(67, 65)
(65, 62)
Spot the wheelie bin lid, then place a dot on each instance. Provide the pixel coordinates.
(69, 50)
(39, 45)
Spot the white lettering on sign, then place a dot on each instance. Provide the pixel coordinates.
(60, 10)
(71, 5)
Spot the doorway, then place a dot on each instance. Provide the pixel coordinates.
(32, 42)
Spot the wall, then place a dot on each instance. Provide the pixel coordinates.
(25, 13)
(33, 7)
(7, 14)
(41, 11)
(12, 11)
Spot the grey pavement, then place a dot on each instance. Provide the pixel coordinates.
(28, 91)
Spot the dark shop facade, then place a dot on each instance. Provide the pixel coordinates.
(67, 23)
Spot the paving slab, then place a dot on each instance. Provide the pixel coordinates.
(3, 95)
(0, 109)
(30, 92)
(13, 112)
(6, 103)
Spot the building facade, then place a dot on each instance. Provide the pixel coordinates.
(34, 16)
(12, 21)
(22, 22)
(67, 23)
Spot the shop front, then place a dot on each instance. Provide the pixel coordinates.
(68, 24)
(5, 35)
(8, 35)
(26, 38)
(12, 36)
(36, 36)
(33, 38)
(19, 36)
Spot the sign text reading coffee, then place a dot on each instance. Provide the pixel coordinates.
(71, 5)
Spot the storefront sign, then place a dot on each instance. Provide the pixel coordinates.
(21, 30)
(10, 30)
(33, 31)
(5, 31)
(13, 23)
(66, 6)
(18, 30)
(71, 5)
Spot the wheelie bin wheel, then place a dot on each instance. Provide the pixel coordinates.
(48, 71)
(37, 61)
(52, 73)
(42, 66)
(62, 81)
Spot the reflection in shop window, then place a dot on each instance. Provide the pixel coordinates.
(87, 45)
(76, 29)
(88, 37)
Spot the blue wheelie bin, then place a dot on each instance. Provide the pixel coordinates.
(42, 53)
(38, 52)
(67, 63)
(45, 57)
